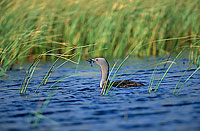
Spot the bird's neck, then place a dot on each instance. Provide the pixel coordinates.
(104, 74)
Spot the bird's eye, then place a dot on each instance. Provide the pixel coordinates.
(96, 59)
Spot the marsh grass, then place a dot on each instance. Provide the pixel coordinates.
(17, 49)
(65, 56)
(161, 78)
(29, 75)
(188, 78)
(34, 27)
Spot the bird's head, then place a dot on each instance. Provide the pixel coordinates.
(102, 62)
(99, 61)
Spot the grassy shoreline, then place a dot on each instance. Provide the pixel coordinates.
(112, 29)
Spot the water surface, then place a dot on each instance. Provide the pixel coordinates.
(76, 103)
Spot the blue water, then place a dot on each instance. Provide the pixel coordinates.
(76, 103)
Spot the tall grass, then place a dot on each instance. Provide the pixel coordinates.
(29, 28)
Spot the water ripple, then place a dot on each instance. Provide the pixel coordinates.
(76, 102)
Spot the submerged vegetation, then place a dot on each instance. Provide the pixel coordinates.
(112, 28)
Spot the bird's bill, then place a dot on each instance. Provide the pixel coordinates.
(91, 61)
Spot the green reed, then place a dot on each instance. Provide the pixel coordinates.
(65, 56)
(29, 75)
(161, 78)
(34, 27)
(184, 81)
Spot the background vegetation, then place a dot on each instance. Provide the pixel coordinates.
(90, 28)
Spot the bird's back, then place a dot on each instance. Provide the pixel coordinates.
(126, 83)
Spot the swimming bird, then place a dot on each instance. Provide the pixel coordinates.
(103, 63)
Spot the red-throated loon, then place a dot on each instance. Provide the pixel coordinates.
(102, 62)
